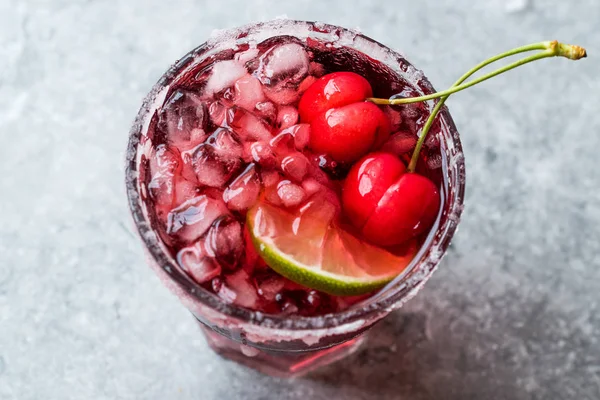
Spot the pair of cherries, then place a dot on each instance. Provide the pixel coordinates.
(386, 203)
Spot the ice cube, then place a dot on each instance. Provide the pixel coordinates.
(311, 186)
(245, 292)
(282, 96)
(283, 65)
(260, 153)
(162, 215)
(196, 263)
(226, 144)
(188, 171)
(432, 141)
(183, 119)
(287, 117)
(270, 287)
(295, 166)
(289, 307)
(194, 217)
(400, 143)
(249, 126)
(434, 161)
(270, 178)
(227, 96)
(301, 134)
(283, 143)
(225, 292)
(242, 193)
(290, 194)
(163, 165)
(322, 194)
(289, 139)
(223, 75)
(212, 170)
(394, 117)
(271, 181)
(197, 136)
(317, 213)
(218, 113)
(184, 190)
(267, 111)
(248, 92)
(165, 160)
(244, 56)
(413, 116)
(224, 241)
(161, 189)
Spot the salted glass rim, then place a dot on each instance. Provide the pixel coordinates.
(387, 299)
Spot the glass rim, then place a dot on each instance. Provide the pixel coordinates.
(401, 289)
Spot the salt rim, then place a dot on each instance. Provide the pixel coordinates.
(396, 293)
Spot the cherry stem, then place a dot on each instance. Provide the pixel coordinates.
(549, 49)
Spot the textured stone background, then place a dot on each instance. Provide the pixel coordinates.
(513, 313)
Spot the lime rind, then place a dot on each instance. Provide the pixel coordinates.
(265, 230)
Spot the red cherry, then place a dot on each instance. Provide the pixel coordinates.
(333, 90)
(408, 208)
(348, 132)
(367, 182)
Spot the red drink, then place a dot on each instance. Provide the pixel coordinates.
(221, 132)
(228, 134)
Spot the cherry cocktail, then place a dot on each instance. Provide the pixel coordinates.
(282, 196)
(279, 134)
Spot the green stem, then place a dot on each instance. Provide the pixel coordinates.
(550, 49)
(447, 92)
(415, 157)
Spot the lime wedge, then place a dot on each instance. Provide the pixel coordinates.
(308, 248)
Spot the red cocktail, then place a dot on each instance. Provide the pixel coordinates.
(264, 200)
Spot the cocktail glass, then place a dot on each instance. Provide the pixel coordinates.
(291, 345)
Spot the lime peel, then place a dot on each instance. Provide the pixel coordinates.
(365, 269)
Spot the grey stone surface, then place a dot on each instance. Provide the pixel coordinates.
(513, 313)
